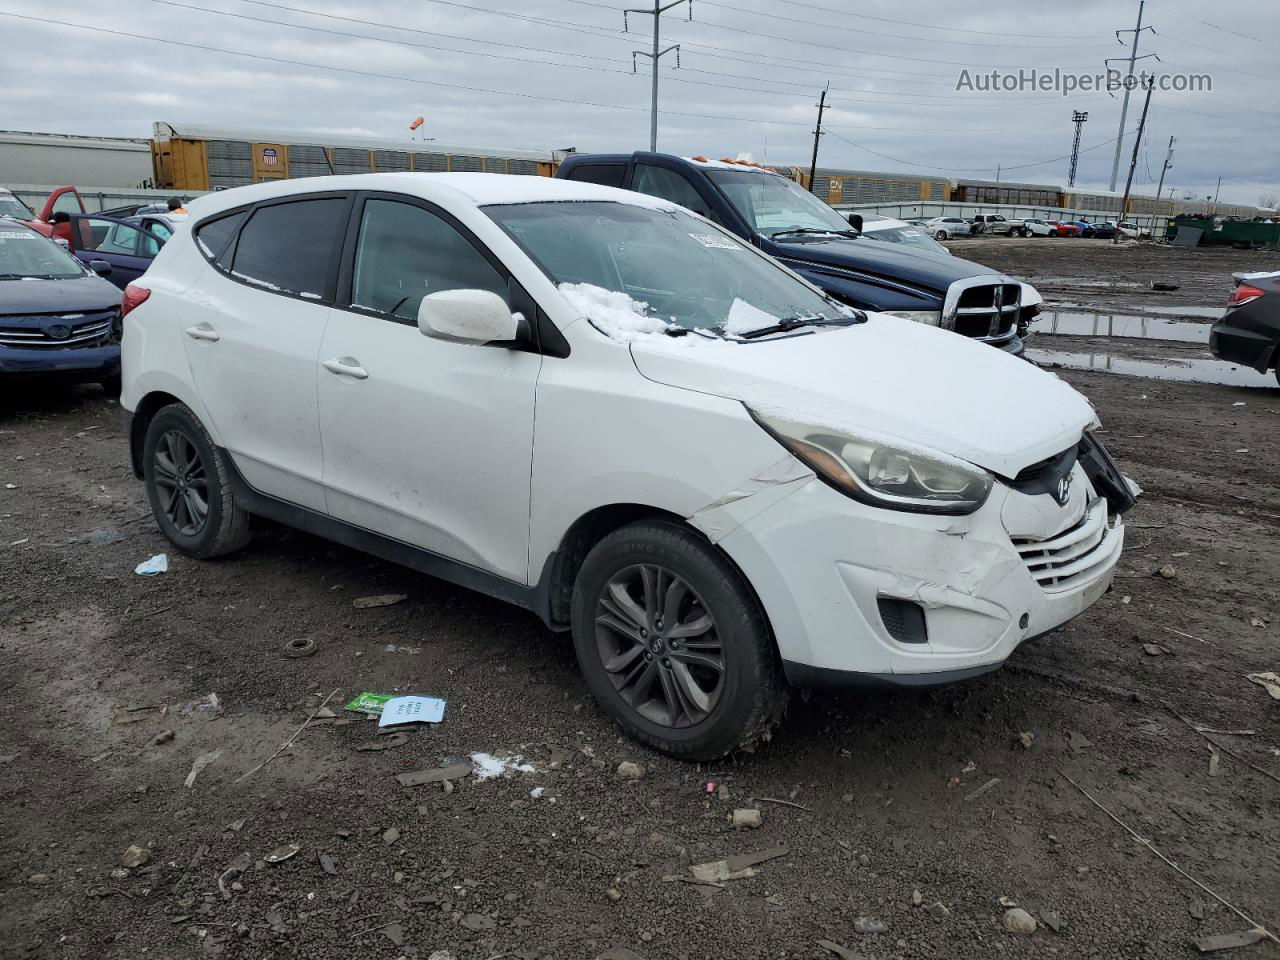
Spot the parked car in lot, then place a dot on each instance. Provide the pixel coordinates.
(12, 207)
(128, 245)
(784, 220)
(58, 318)
(1035, 227)
(1083, 227)
(1063, 228)
(944, 228)
(725, 488)
(994, 224)
(1132, 231)
(1249, 332)
(876, 227)
(52, 219)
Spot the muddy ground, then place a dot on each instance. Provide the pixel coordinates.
(963, 794)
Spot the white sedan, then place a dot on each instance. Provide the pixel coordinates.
(944, 228)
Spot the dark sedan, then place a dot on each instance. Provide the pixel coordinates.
(129, 244)
(58, 318)
(1249, 332)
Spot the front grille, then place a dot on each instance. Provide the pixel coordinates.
(1062, 562)
(41, 332)
(989, 311)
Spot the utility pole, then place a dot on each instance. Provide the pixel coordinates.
(1124, 106)
(657, 12)
(817, 133)
(1216, 191)
(1133, 162)
(997, 172)
(1168, 162)
(1078, 119)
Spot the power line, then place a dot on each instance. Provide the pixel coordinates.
(1020, 166)
(130, 35)
(931, 26)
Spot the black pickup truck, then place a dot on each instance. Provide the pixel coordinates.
(789, 223)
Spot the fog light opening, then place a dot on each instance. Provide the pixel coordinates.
(1024, 621)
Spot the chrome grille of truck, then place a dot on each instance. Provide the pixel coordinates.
(988, 311)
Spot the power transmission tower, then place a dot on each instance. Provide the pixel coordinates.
(1078, 119)
(657, 12)
(1124, 107)
(1133, 162)
(1168, 162)
(817, 133)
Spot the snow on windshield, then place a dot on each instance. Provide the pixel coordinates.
(613, 313)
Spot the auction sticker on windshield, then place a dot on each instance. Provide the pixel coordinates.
(16, 235)
(710, 240)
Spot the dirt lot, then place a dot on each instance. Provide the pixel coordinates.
(886, 794)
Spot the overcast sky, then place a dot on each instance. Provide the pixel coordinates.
(557, 73)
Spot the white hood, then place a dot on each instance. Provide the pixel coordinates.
(890, 378)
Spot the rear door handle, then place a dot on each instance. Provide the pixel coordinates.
(346, 367)
(202, 331)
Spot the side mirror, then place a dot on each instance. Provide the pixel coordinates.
(466, 316)
(100, 267)
(855, 221)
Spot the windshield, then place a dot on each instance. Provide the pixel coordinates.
(687, 272)
(11, 206)
(908, 236)
(774, 204)
(25, 253)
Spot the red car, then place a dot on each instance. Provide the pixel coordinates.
(1065, 229)
(64, 200)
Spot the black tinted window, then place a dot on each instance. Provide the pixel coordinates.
(406, 252)
(215, 236)
(289, 246)
(668, 185)
(605, 174)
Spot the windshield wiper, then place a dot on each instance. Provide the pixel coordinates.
(841, 233)
(792, 323)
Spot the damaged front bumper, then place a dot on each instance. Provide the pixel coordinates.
(858, 594)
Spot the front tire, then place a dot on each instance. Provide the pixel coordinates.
(189, 486)
(673, 643)
(940, 235)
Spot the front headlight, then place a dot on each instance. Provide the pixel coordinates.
(881, 474)
(932, 317)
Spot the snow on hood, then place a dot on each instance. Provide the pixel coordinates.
(927, 388)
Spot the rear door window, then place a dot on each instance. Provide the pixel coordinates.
(290, 247)
(106, 236)
(605, 174)
(668, 185)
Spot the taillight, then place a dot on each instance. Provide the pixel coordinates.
(133, 297)
(1244, 293)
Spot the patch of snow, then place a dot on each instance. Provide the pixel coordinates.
(537, 792)
(613, 313)
(486, 766)
(744, 318)
(266, 284)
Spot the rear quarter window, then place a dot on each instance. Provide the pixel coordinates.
(214, 237)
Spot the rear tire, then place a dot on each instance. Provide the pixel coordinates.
(673, 643)
(189, 486)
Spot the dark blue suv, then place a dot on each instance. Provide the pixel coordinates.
(787, 222)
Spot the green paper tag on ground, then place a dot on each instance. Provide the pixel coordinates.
(371, 703)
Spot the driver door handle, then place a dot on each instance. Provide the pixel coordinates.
(346, 367)
(202, 331)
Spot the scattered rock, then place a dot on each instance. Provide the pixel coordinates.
(1168, 571)
(478, 922)
(1027, 739)
(394, 932)
(747, 819)
(869, 925)
(1229, 941)
(844, 953)
(917, 898)
(1053, 921)
(613, 953)
(39, 879)
(390, 835)
(937, 909)
(1196, 909)
(1082, 871)
(614, 894)
(1257, 622)
(328, 865)
(164, 736)
(1007, 902)
(119, 873)
(630, 771)
(1019, 921)
(735, 868)
(135, 857)
(1078, 742)
(382, 600)
(282, 853)
(454, 771)
(1153, 649)
(235, 826)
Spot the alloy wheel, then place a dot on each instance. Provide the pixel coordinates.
(659, 645)
(181, 483)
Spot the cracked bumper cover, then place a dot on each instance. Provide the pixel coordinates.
(819, 562)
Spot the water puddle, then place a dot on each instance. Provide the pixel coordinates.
(1151, 309)
(1185, 371)
(1071, 324)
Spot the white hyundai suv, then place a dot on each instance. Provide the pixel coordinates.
(598, 405)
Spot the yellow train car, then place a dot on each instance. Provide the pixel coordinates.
(866, 186)
(195, 158)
